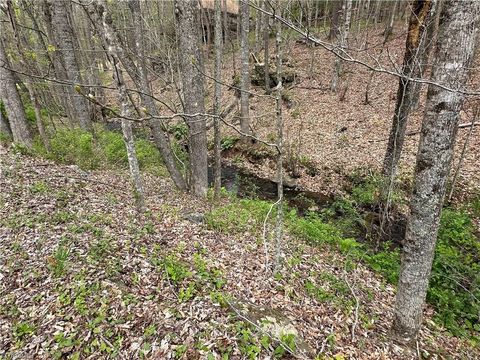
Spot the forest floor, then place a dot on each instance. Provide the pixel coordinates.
(82, 275)
(336, 137)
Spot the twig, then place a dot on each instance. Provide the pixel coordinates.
(357, 306)
(265, 234)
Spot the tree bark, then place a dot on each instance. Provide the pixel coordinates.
(217, 168)
(453, 57)
(64, 37)
(160, 138)
(4, 125)
(422, 13)
(342, 44)
(279, 124)
(426, 47)
(12, 102)
(389, 29)
(186, 12)
(245, 71)
(266, 45)
(125, 106)
(336, 10)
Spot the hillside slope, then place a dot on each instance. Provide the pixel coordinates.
(82, 275)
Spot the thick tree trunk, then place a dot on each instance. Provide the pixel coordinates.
(422, 13)
(64, 92)
(217, 168)
(13, 103)
(186, 12)
(125, 106)
(245, 71)
(64, 38)
(453, 56)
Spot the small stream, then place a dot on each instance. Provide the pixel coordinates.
(248, 185)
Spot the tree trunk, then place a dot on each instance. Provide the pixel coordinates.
(258, 28)
(125, 106)
(426, 45)
(336, 10)
(279, 121)
(342, 44)
(64, 92)
(453, 57)
(245, 72)
(12, 102)
(4, 125)
(266, 45)
(38, 116)
(160, 138)
(422, 13)
(193, 91)
(217, 168)
(389, 29)
(64, 37)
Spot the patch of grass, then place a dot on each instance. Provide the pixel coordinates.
(454, 286)
(240, 216)
(313, 229)
(57, 263)
(104, 150)
(21, 330)
(228, 142)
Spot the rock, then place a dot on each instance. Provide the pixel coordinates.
(194, 217)
(272, 322)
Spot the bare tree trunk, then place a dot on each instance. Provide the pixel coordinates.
(217, 168)
(64, 93)
(342, 44)
(389, 29)
(64, 36)
(160, 138)
(279, 120)
(125, 106)
(245, 73)
(193, 91)
(38, 117)
(377, 13)
(454, 53)
(335, 19)
(421, 15)
(258, 28)
(12, 102)
(266, 46)
(426, 47)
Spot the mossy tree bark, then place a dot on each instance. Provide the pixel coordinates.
(186, 13)
(453, 58)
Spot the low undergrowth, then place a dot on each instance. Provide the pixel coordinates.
(454, 288)
(102, 150)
